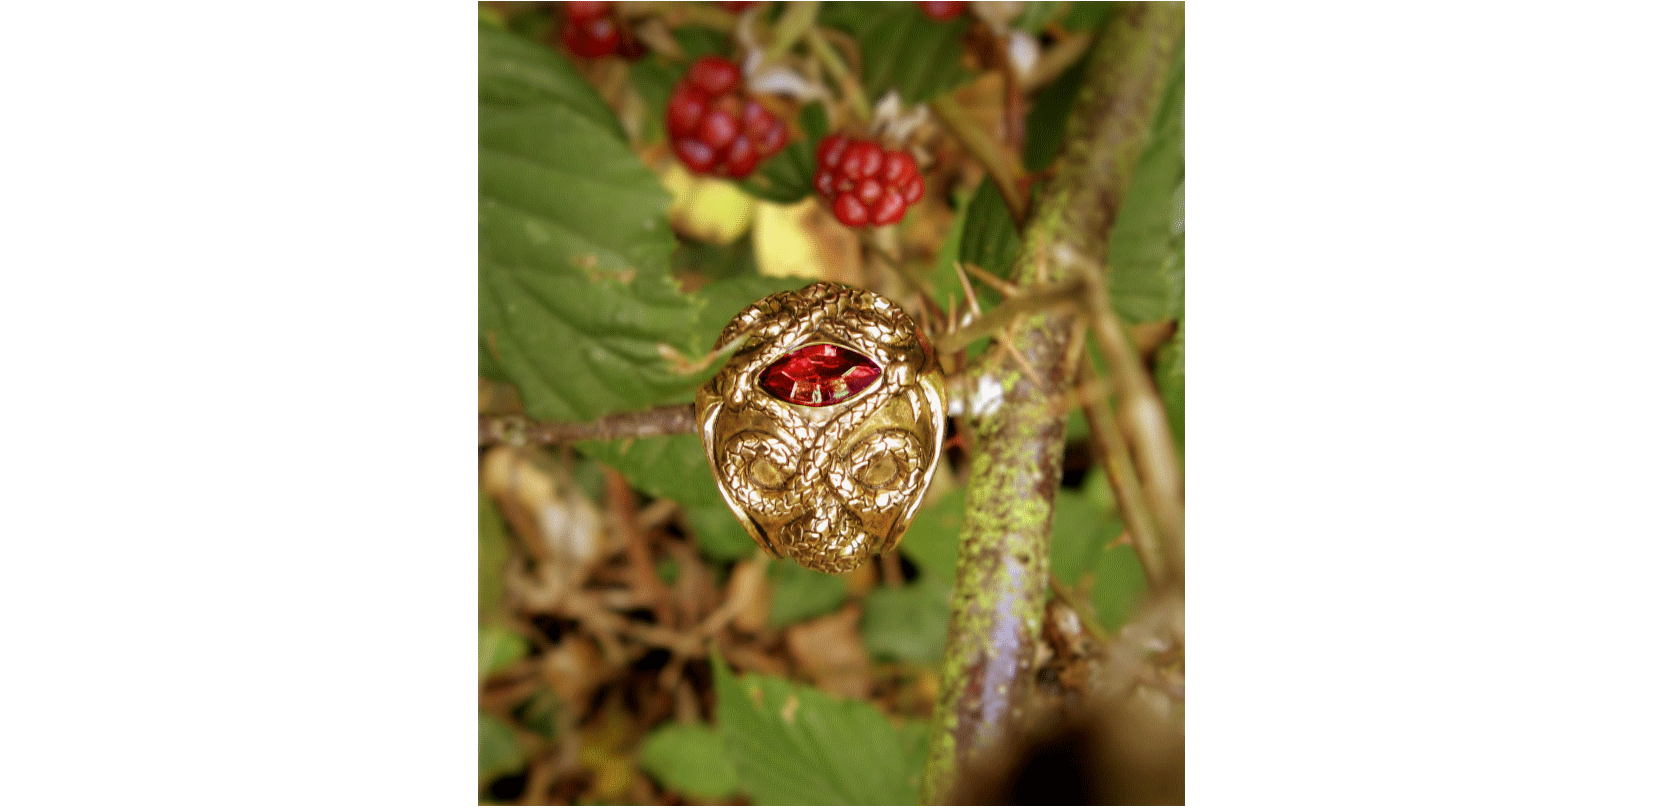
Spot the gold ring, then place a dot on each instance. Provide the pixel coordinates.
(825, 426)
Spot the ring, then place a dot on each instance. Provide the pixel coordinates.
(824, 428)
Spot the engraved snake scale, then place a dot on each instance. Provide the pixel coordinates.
(826, 485)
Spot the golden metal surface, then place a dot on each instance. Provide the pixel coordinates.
(827, 486)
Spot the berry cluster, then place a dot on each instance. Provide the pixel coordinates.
(592, 32)
(866, 184)
(942, 12)
(713, 130)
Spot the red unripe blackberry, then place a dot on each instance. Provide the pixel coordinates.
(591, 32)
(942, 12)
(588, 11)
(864, 183)
(716, 130)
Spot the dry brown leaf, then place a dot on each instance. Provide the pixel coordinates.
(573, 669)
(862, 580)
(753, 658)
(558, 527)
(747, 595)
(498, 398)
(829, 650)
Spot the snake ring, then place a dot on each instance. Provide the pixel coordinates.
(824, 428)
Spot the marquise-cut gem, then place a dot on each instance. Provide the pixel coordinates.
(819, 375)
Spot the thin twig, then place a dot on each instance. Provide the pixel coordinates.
(623, 502)
(1111, 449)
(1055, 60)
(854, 95)
(998, 160)
(1141, 414)
(673, 419)
(970, 294)
(1001, 285)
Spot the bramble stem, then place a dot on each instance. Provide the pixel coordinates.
(1001, 575)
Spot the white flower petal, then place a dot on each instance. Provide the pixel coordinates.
(1024, 51)
(782, 80)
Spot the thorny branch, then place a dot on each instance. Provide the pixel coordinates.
(1001, 575)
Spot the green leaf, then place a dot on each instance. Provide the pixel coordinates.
(500, 647)
(1035, 16)
(715, 261)
(670, 467)
(944, 281)
(500, 753)
(721, 300)
(1080, 531)
(533, 23)
(1044, 125)
(795, 745)
(689, 759)
(1087, 16)
(933, 540)
(494, 557)
(991, 239)
(674, 466)
(790, 175)
(1118, 586)
(908, 623)
(575, 288)
(489, 367)
(903, 49)
(1146, 253)
(517, 72)
(719, 534)
(800, 593)
(1082, 555)
(541, 714)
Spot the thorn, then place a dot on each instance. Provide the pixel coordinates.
(970, 294)
(1006, 336)
(1004, 287)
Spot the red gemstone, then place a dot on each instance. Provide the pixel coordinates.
(819, 375)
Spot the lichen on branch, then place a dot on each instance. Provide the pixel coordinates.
(1017, 434)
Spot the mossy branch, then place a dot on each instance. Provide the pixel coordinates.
(1018, 435)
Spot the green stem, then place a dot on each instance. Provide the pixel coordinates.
(829, 58)
(1001, 576)
(798, 20)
